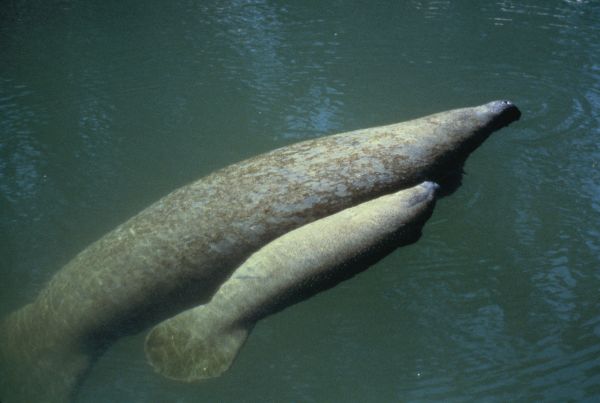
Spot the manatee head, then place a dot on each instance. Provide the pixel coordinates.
(459, 132)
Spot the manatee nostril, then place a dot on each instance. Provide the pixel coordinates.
(506, 111)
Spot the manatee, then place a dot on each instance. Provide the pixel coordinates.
(176, 253)
(202, 342)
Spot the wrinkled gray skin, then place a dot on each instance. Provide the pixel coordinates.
(202, 342)
(174, 254)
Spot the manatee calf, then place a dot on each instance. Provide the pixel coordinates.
(202, 342)
(174, 254)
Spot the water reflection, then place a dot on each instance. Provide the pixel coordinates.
(288, 87)
(433, 9)
(21, 152)
(22, 180)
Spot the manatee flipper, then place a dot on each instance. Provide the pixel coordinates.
(184, 348)
(203, 342)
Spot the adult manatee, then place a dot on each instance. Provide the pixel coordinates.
(174, 254)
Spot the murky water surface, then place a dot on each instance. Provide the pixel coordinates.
(106, 106)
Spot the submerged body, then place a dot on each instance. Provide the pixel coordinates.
(203, 342)
(177, 252)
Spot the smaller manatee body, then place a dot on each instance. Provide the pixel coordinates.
(203, 342)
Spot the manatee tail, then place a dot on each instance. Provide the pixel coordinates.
(194, 345)
(35, 365)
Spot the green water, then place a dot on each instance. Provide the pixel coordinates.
(106, 106)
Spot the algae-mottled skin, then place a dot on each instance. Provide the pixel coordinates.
(175, 253)
(202, 342)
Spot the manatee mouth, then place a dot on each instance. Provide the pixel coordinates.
(506, 113)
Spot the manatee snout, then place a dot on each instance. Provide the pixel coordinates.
(428, 189)
(506, 112)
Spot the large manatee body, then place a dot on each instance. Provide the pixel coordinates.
(202, 342)
(176, 253)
